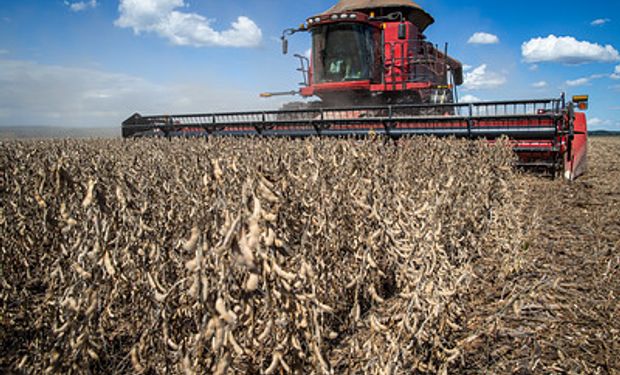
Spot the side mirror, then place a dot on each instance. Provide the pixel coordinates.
(402, 31)
(284, 46)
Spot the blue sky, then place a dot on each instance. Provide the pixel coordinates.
(92, 63)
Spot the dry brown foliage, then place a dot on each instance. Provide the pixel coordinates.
(261, 256)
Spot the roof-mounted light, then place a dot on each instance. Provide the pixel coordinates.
(334, 17)
(352, 16)
(310, 21)
(317, 19)
(343, 16)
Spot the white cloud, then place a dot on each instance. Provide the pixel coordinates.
(38, 94)
(540, 85)
(600, 21)
(483, 38)
(186, 29)
(79, 6)
(469, 99)
(616, 73)
(578, 82)
(584, 80)
(595, 121)
(567, 50)
(480, 78)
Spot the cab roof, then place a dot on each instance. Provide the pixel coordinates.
(410, 9)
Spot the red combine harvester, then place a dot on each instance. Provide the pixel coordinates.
(376, 74)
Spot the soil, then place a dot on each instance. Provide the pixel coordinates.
(561, 313)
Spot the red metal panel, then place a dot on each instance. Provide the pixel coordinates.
(577, 162)
(580, 123)
(307, 91)
(396, 52)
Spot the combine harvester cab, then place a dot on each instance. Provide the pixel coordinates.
(368, 52)
(376, 74)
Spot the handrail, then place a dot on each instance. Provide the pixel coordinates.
(519, 119)
(553, 102)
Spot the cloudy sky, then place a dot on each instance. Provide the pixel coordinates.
(92, 63)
